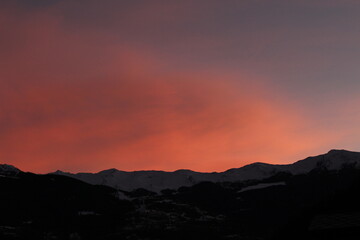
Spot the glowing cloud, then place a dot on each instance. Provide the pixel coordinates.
(87, 99)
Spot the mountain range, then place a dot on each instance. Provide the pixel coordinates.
(160, 180)
(315, 198)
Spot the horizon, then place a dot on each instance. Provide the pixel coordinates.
(203, 85)
(183, 169)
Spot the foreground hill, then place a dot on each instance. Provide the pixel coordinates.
(159, 180)
(319, 202)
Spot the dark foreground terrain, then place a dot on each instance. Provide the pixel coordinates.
(319, 205)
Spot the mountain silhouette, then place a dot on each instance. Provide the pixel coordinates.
(159, 180)
(315, 198)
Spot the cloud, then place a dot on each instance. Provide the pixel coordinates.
(84, 99)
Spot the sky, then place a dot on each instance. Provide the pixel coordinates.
(206, 85)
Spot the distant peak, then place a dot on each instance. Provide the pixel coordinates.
(184, 171)
(7, 167)
(339, 151)
(8, 170)
(109, 171)
(257, 165)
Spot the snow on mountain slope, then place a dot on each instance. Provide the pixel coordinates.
(159, 180)
(262, 186)
(333, 160)
(253, 171)
(151, 180)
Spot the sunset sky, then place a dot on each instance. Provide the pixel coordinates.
(205, 85)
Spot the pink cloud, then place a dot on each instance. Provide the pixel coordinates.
(81, 101)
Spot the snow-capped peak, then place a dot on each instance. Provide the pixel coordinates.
(159, 180)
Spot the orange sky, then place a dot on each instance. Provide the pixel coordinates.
(139, 86)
